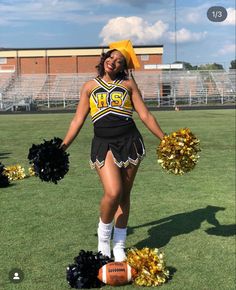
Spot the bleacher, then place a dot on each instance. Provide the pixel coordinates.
(21, 91)
(5, 78)
(61, 89)
(163, 88)
(232, 77)
(225, 86)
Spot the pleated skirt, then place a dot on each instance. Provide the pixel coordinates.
(126, 149)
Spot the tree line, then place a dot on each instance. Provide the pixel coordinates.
(209, 66)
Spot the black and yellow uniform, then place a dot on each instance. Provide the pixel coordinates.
(111, 111)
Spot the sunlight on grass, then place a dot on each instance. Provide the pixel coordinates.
(191, 217)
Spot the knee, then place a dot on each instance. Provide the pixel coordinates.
(113, 196)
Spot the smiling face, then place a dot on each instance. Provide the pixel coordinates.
(114, 63)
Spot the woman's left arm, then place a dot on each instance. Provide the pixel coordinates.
(144, 114)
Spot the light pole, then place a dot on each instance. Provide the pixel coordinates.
(175, 31)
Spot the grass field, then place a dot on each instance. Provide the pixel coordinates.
(191, 217)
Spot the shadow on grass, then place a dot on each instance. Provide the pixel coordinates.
(222, 230)
(4, 155)
(5, 187)
(163, 230)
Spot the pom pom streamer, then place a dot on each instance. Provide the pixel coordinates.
(178, 152)
(83, 273)
(15, 172)
(4, 181)
(150, 266)
(49, 162)
(31, 171)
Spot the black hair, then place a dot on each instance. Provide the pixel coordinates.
(100, 67)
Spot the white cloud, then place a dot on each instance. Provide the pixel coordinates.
(192, 17)
(227, 49)
(135, 28)
(191, 14)
(231, 17)
(136, 3)
(15, 12)
(185, 35)
(142, 32)
(198, 15)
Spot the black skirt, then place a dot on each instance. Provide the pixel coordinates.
(126, 149)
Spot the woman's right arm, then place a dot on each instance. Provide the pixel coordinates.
(79, 118)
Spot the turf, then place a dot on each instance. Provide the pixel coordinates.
(190, 217)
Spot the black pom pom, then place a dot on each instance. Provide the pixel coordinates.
(4, 182)
(50, 162)
(83, 273)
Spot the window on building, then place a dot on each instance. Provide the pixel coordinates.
(145, 57)
(3, 60)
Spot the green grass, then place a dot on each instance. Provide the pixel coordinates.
(43, 225)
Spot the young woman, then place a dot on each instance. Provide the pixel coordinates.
(117, 146)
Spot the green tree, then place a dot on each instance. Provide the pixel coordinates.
(233, 64)
(210, 66)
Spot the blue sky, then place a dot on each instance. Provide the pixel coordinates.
(76, 23)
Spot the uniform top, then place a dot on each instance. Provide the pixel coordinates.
(110, 98)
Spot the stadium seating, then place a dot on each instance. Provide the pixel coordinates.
(5, 78)
(162, 88)
(232, 76)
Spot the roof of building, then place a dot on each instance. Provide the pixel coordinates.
(73, 47)
(72, 51)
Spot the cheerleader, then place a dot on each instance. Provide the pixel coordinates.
(117, 146)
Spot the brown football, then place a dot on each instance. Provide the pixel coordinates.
(116, 273)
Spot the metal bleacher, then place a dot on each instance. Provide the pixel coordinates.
(162, 88)
(224, 84)
(62, 90)
(6, 80)
(182, 87)
(232, 77)
(21, 91)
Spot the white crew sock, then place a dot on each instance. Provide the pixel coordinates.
(104, 237)
(119, 238)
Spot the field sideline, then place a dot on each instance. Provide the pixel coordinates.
(191, 217)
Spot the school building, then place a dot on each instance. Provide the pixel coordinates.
(69, 59)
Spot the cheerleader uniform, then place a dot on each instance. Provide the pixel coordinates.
(111, 111)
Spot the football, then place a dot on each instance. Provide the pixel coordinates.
(116, 273)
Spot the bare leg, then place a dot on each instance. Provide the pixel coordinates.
(115, 204)
(111, 178)
(122, 213)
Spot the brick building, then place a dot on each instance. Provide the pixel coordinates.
(68, 60)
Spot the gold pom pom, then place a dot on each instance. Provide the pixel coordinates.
(15, 172)
(178, 152)
(31, 171)
(149, 265)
